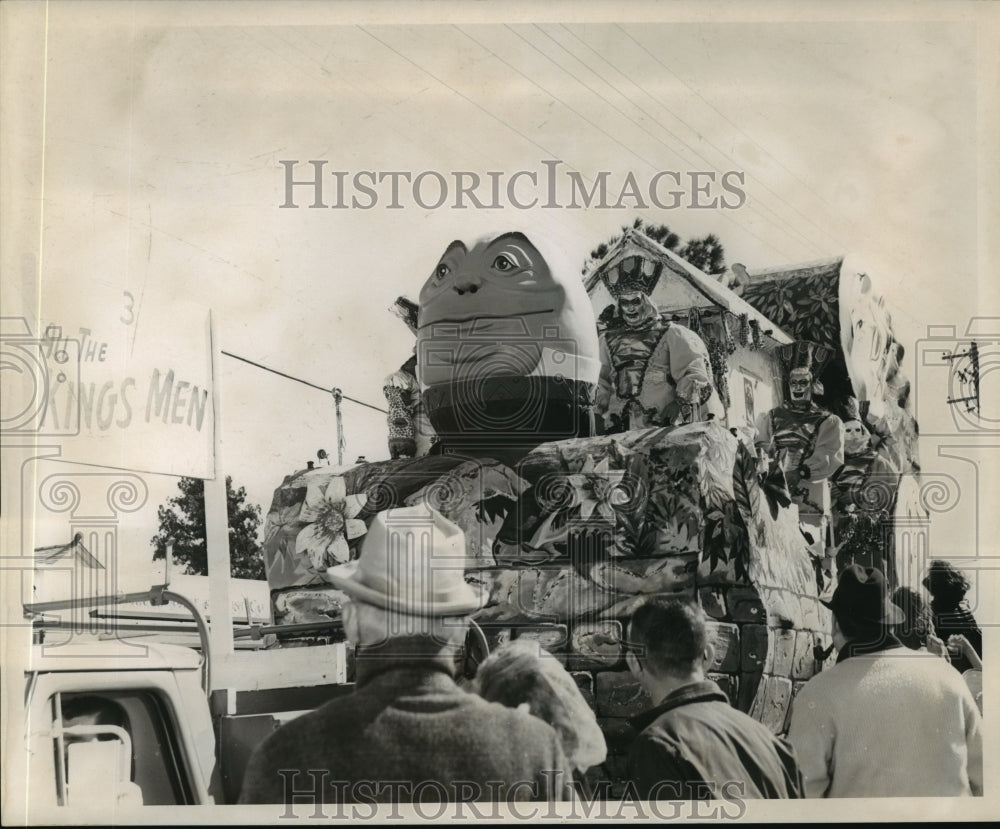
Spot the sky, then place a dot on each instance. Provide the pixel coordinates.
(164, 125)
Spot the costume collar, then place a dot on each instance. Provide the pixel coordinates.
(885, 642)
(701, 691)
(402, 653)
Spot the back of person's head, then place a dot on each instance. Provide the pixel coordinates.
(409, 579)
(520, 674)
(919, 622)
(669, 635)
(373, 625)
(861, 606)
(860, 631)
(947, 584)
(87, 710)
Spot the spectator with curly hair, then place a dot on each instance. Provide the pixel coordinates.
(916, 631)
(520, 674)
(952, 615)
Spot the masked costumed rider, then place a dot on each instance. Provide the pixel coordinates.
(806, 440)
(863, 490)
(654, 372)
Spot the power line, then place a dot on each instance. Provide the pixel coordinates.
(464, 97)
(780, 225)
(569, 227)
(732, 123)
(413, 128)
(580, 115)
(780, 222)
(802, 215)
(303, 382)
(419, 65)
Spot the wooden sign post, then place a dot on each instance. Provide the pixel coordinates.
(217, 528)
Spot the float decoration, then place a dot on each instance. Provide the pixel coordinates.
(720, 369)
(667, 505)
(507, 349)
(477, 495)
(803, 302)
(744, 322)
(331, 516)
(410, 432)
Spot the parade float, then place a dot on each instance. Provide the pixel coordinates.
(627, 434)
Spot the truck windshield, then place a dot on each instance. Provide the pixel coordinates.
(132, 730)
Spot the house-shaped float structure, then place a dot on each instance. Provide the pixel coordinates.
(745, 316)
(741, 340)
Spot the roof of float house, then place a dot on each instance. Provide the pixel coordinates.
(820, 268)
(635, 242)
(804, 299)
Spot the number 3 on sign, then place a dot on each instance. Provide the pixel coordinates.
(128, 317)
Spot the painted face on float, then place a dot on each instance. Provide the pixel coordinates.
(800, 382)
(633, 306)
(496, 309)
(856, 438)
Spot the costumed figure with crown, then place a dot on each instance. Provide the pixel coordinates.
(410, 432)
(805, 441)
(654, 372)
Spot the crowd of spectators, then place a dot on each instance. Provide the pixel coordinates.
(892, 717)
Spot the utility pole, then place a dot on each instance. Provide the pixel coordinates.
(968, 377)
(337, 397)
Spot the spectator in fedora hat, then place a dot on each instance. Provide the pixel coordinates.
(408, 732)
(884, 721)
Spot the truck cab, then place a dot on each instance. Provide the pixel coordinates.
(117, 715)
(113, 723)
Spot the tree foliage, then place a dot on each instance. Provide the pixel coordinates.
(706, 254)
(182, 518)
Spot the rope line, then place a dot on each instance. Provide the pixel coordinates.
(303, 382)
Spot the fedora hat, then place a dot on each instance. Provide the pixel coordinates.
(862, 595)
(412, 561)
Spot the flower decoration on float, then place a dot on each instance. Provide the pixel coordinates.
(595, 491)
(597, 488)
(728, 321)
(332, 514)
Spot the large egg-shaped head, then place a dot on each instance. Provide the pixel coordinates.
(504, 332)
